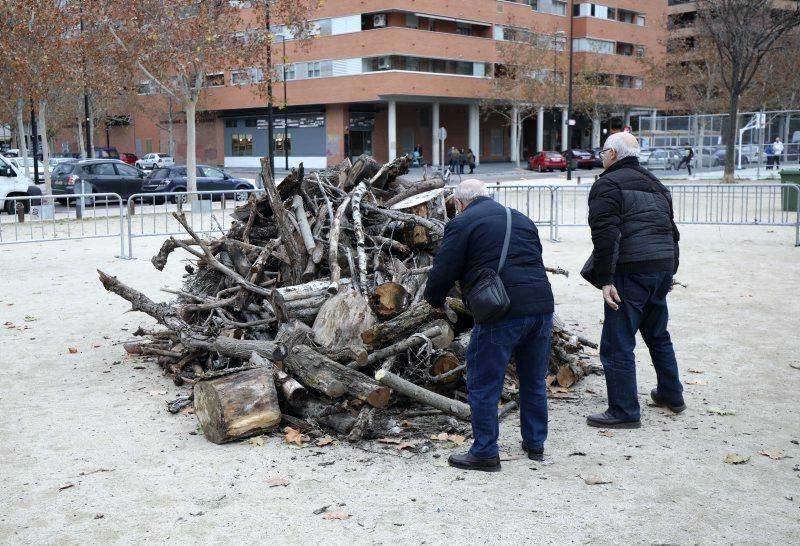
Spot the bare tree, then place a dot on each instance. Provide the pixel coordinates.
(743, 32)
(529, 75)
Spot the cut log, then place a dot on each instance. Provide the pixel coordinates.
(443, 363)
(237, 405)
(334, 379)
(389, 300)
(386, 332)
(242, 348)
(447, 405)
(317, 412)
(361, 425)
(439, 332)
(419, 187)
(342, 319)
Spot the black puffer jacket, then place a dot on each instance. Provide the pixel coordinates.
(473, 240)
(630, 214)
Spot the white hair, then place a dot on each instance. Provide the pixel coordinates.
(624, 144)
(470, 189)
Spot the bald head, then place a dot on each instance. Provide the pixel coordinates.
(470, 189)
(620, 146)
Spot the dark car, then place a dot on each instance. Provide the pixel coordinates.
(173, 179)
(584, 159)
(96, 176)
(106, 153)
(128, 158)
(722, 153)
(598, 161)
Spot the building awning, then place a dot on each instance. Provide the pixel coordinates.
(454, 19)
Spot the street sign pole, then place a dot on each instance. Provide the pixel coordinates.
(442, 139)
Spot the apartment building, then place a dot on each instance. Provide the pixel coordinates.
(381, 76)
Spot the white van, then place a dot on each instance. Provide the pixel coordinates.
(12, 184)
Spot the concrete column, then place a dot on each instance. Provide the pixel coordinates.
(392, 129)
(595, 133)
(564, 126)
(540, 130)
(336, 121)
(435, 144)
(514, 132)
(474, 131)
(627, 119)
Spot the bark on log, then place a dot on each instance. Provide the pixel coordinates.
(342, 319)
(242, 348)
(416, 189)
(406, 322)
(333, 250)
(237, 405)
(317, 412)
(447, 405)
(332, 378)
(292, 390)
(440, 333)
(302, 221)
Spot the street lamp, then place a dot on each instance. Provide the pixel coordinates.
(569, 101)
(285, 105)
(558, 37)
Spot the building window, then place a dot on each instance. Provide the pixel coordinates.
(412, 21)
(215, 80)
(464, 29)
(559, 7)
(313, 69)
(290, 72)
(146, 88)
(242, 145)
(279, 142)
(251, 123)
(247, 76)
(231, 123)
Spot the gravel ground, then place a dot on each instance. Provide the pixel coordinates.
(95, 422)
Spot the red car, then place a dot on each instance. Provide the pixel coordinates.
(547, 161)
(130, 159)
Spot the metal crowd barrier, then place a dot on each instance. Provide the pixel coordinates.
(77, 216)
(535, 201)
(150, 214)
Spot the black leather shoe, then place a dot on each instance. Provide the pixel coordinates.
(658, 401)
(467, 461)
(606, 420)
(534, 454)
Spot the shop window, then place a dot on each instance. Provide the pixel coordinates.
(242, 145)
(231, 123)
(282, 145)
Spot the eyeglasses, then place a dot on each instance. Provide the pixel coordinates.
(603, 152)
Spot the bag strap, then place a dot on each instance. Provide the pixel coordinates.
(505, 242)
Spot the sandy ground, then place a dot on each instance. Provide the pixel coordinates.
(97, 419)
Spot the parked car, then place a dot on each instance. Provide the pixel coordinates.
(721, 153)
(662, 158)
(12, 152)
(24, 167)
(96, 176)
(154, 161)
(106, 153)
(55, 159)
(14, 184)
(128, 158)
(598, 161)
(584, 159)
(547, 161)
(173, 179)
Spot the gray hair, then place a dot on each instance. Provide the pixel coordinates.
(624, 144)
(470, 189)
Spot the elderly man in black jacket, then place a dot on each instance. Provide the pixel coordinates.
(635, 256)
(473, 241)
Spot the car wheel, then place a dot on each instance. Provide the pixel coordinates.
(241, 195)
(10, 206)
(179, 198)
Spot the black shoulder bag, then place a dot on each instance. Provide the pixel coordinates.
(486, 296)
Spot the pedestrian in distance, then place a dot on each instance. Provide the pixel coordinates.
(634, 258)
(470, 160)
(462, 160)
(455, 156)
(687, 160)
(777, 149)
(487, 237)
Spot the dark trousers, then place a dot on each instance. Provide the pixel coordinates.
(643, 308)
(490, 349)
(688, 162)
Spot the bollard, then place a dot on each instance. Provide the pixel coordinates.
(579, 180)
(132, 207)
(20, 208)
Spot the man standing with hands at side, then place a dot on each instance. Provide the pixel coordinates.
(473, 243)
(635, 256)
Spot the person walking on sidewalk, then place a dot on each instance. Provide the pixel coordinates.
(475, 241)
(470, 160)
(777, 149)
(687, 160)
(462, 160)
(634, 258)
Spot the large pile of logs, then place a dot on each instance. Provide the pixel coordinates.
(309, 310)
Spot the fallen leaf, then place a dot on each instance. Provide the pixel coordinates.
(737, 459)
(695, 371)
(440, 464)
(406, 424)
(606, 433)
(335, 515)
(256, 441)
(325, 440)
(65, 486)
(72, 350)
(390, 440)
(188, 410)
(411, 444)
(774, 455)
(549, 380)
(508, 457)
(595, 480)
(457, 439)
(695, 382)
(277, 482)
(441, 437)
(294, 436)
(720, 411)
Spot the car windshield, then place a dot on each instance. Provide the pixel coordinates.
(159, 174)
(162, 155)
(63, 168)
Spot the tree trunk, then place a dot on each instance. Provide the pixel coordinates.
(333, 379)
(171, 128)
(191, 152)
(90, 151)
(48, 187)
(237, 405)
(728, 176)
(21, 143)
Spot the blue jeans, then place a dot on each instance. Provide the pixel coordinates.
(490, 349)
(643, 308)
